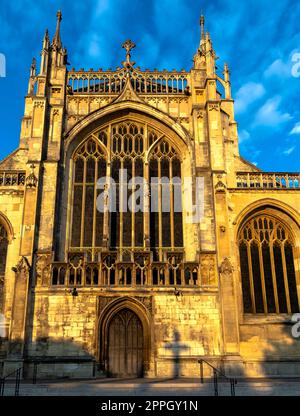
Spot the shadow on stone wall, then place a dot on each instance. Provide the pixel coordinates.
(61, 359)
(277, 360)
(50, 359)
(176, 347)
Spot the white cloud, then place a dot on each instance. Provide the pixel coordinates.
(279, 69)
(289, 151)
(94, 46)
(255, 153)
(100, 7)
(247, 95)
(270, 114)
(296, 129)
(244, 135)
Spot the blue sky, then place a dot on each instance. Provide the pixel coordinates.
(258, 39)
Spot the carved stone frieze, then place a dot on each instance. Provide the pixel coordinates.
(226, 267)
(208, 269)
(43, 269)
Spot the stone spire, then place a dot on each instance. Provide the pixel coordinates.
(199, 57)
(46, 42)
(33, 68)
(58, 53)
(56, 43)
(226, 74)
(210, 56)
(32, 78)
(44, 53)
(202, 25)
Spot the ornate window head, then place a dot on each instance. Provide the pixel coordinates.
(123, 149)
(267, 267)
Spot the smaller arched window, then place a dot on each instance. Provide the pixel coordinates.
(3, 256)
(267, 267)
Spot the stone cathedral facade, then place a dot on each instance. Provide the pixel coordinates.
(90, 292)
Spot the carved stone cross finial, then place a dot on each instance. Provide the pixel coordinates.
(128, 46)
(59, 15)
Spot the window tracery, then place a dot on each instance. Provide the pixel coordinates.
(267, 267)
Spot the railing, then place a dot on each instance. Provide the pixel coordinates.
(263, 180)
(17, 373)
(9, 178)
(35, 371)
(217, 375)
(125, 275)
(112, 82)
(50, 360)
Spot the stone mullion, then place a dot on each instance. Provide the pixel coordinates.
(133, 276)
(251, 277)
(167, 276)
(146, 188)
(297, 274)
(106, 212)
(100, 275)
(146, 215)
(286, 283)
(107, 189)
(121, 203)
(274, 278)
(83, 276)
(199, 277)
(70, 210)
(95, 210)
(262, 276)
(171, 204)
(182, 277)
(159, 210)
(149, 275)
(83, 206)
(133, 205)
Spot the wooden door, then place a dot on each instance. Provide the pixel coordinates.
(125, 345)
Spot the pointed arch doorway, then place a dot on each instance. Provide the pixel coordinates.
(125, 345)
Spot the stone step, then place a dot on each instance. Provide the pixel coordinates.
(167, 388)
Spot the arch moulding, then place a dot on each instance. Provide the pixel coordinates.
(80, 129)
(272, 203)
(292, 217)
(8, 227)
(105, 318)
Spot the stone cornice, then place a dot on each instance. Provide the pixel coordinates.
(264, 191)
(14, 192)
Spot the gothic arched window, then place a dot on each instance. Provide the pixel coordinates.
(90, 165)
(124, 147)
(3, 256)
(267, 267)
(127, 154)
(166, 205)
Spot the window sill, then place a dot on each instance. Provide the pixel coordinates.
(266, 319)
